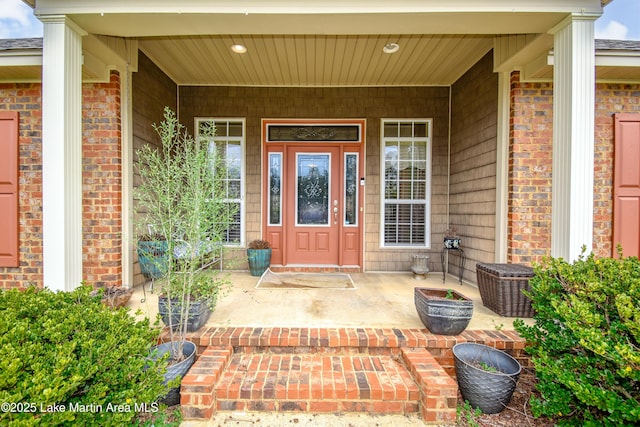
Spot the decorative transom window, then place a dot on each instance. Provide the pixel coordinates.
(229, 143)
(406, 182)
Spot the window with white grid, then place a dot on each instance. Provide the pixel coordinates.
(405, 182)
(229, 143)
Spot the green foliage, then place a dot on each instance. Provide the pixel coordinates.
(207, 286)
(468, 415)
(183, 194)
(585, 340)
(69, 351)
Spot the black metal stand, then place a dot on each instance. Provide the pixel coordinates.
(462, 259)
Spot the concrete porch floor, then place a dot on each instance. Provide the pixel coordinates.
(380, 300)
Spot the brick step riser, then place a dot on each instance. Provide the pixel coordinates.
(373, 351)
(427, 359)
(319, 406)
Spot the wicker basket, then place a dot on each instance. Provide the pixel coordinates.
(501, 287)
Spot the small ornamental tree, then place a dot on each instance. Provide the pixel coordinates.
(182, 194)
(585, 343)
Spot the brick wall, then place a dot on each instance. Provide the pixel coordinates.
(369, 103)
(472, 184)
(531, 135)
(152, 91)
(530, 160)
(610, 99)
(102, 183)
(25, 98)
(102, 212)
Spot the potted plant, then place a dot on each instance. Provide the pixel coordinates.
(443, 311)
(152, 255)
(451, 238)
(487, 377)
(181, 194)
(202, 301)
(259, 256)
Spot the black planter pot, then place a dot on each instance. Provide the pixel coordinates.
(199, 313)
(442, 315)
(487, 377)
(176, 370)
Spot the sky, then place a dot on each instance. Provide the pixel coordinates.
(620, 21)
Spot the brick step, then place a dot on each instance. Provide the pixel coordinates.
(411, 382)
(316, 383)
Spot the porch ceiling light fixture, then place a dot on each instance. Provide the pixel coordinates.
(239, 48)
(391, 48)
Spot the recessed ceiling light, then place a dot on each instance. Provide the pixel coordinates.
(391, 48)
(238, 48)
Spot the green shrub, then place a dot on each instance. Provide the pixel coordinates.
(585, 343)
(66, 359)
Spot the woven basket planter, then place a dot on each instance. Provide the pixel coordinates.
(501, 287)
(442, 315)
(487, 377)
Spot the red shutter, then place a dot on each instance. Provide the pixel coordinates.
(9, 231)
(626, 184)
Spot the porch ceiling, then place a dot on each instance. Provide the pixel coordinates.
(315, 42)
(317, 60)
(334, 43)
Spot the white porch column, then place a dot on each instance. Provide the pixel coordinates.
(62, 153)
(502, 167)
(573, 137)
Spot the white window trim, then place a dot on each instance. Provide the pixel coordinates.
(243, 180)
(429, 139)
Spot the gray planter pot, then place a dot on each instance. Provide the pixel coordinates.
(198, 315)
(442, 315)
(487, 389)
(177, 370)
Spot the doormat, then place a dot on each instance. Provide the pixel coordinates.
(271, 280)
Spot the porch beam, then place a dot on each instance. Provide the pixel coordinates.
(573, 136)
(62, 153)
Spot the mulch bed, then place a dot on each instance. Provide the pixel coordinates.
(517, 413)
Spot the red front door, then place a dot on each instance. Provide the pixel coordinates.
(312, 205)
(313, 198)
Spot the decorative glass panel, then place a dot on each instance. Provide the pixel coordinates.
(312, 200)
(275, 188)
(350, 133)
(351, 189)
